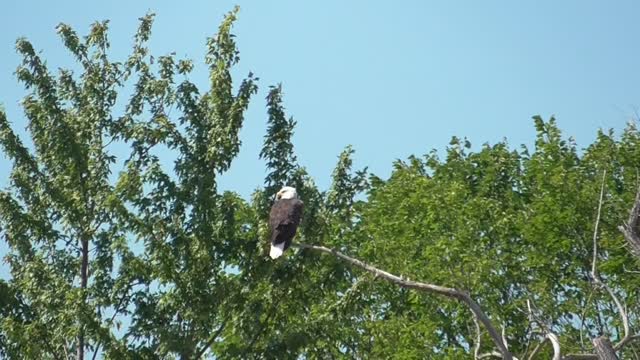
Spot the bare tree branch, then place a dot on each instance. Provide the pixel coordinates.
(119, 307)
(631, 228)
(504, 337)
(490, 354)
(580, 357)
(623, 315)
(476, 351)
(624, 268)
(430, 288)
(602, 345)
(625, 341)
(555, 342)
(595, 230)
(632, 224)
(549, 335)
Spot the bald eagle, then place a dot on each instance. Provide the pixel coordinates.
(284, 219)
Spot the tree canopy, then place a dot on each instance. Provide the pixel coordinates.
(123, 257)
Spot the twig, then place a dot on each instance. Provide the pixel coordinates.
(529, 330)
(537, 349)
(580, 357)
(624, 268)
(117, 309)
(625, 341)
(434, 289)
(490, 354)
(582, 319)
(51, 349)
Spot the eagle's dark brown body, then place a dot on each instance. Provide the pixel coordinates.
(284, 220)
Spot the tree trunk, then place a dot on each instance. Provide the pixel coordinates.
(604, 349)
(84, 275)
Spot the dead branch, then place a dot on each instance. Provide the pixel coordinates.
(632, 224)
(580, 357)
(555, 342)
(549, 335)
(430, 288)
(504, 337)
(623, 315)
(602, 346)
(631, 228)
(594, 268)
(476, 351)
(490, 354)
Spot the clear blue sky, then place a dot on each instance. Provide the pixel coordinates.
(393, 78)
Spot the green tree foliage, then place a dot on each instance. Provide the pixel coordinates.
(508, 227)
(138, 256)
(72, 231)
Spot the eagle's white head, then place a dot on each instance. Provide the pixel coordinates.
(287, 192)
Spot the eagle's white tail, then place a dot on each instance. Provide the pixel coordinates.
(276, 250)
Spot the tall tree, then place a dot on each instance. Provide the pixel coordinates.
(73, 229)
